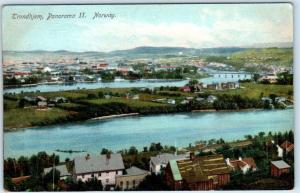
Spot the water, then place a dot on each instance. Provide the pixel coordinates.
(120, 133)
(115, 84)
(94, 85)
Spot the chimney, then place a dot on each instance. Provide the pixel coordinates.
(192, 155)
(108, 155)
(87, 157)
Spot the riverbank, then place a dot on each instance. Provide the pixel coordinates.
(114, 116)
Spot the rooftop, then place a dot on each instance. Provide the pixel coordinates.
(200, 168)
(280, 164)
(135, 171)
(97, 163)
(61, 168)
(166, 157)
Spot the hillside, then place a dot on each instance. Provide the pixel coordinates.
(252, 57)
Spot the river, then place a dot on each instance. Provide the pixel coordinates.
(169, 129)
(116, 84)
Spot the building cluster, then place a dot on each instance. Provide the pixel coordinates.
(179, 171)
(41, 102)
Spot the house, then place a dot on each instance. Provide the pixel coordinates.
(229, 85)
(171, 101)
(267, 99)
(214, 86)
(287, 146)
(102, 167)
(243, 164)
(198, 87)
(107, 96)
(57, 100)
(280, 99)
(189, 98)
(19, 180)
(41, 98)
(271, 78)
(279, 151)
(160, 161)
(279, 167)
(132, 96)
(63, 171)
(42, 104)
(185, 89)
(30, 100)
(211, 98)
(197, 173)
(133, 177)
(183, 102)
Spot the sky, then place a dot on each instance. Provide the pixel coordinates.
(181, 25)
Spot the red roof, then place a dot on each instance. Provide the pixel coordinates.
(19, 180)
(21, 73)
(185, 88)
(242, 163)
(287, 146)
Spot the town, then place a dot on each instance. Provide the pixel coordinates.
(263, 161)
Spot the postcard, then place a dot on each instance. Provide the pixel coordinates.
(148, 97)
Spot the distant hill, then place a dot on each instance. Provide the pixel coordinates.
(148, 50)
(145, 51)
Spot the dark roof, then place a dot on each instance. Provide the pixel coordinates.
(61, 168)
(135, 171)
(97, 163)
(200, 168)
(164, 158)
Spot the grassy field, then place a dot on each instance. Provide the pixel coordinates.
(129, 102)
(27, 117)
(253, 90)
(266, 56)
(15, 117)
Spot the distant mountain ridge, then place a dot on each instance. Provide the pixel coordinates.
(165, 50)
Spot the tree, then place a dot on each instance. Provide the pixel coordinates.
(21, 103)
(48, 178)
(91, 96)
(132, 151)
(100, 94)
(104, 151)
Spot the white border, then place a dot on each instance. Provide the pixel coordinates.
(296, 5)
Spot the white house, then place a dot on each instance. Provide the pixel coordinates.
(243, 164)
(160, 161)
(102, 167)
(279, 151)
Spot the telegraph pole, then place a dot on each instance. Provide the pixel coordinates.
(53, 171)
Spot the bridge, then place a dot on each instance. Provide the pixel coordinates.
(234, 75)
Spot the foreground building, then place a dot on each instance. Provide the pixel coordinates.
(243, 164)
(279, 167)
(133, 177)
(63, 171)
(197, 173)
(102, 167)
(160, 161)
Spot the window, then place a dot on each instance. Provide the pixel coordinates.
(92, 175)
(107, 180)
(121, 184)
(107, 173)
(127, 185)
(82, 176)
(133, 183)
